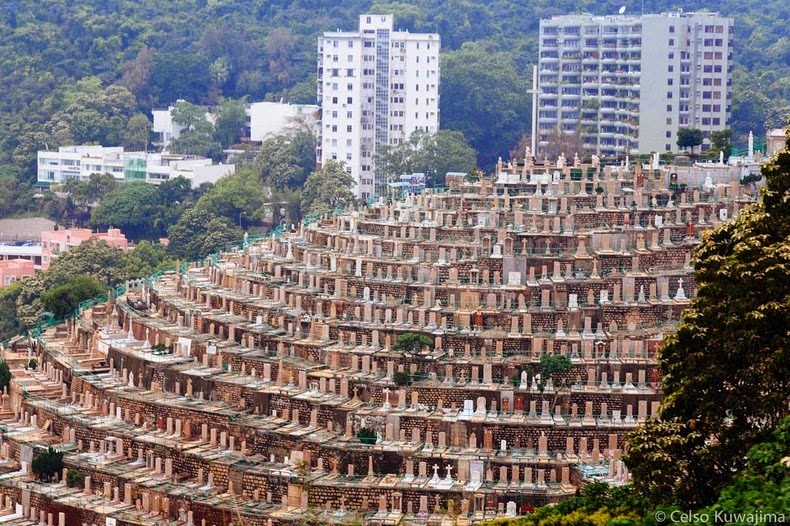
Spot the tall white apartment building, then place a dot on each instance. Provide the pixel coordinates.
(630, 82)
(376, 86)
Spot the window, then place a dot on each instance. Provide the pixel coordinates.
(670, 82)
(668, 147)
(670, 68)
(669, 107)
(671, 29)
(671, 41)
(350, 100)
(349, 128)
(716, 121)
(669, 94)
(669, 121)
(669, 135)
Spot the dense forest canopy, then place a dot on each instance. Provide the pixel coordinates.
(201, 50)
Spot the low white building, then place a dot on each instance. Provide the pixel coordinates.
(79, 162)
(268, 119)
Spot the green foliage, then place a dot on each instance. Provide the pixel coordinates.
(197, 132)
(412, 343)
(726, 369)
(327, 189)
(720, 141)
(64, 299)
(238, 193)
(199, 233)
(485, 97)
(761, 489)
(32, 364)
(554, 365)
(598, 505)
(9, 323)
(5, 375)
(433, 154)
(689, 138)
(75, 479)
(229, 123)
(132, 207)
(21, 304)
(401, 378)
(283, 163)
(367, 435)
(47, 464)
(137, 133)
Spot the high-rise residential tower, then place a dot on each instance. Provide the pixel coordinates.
(628, 83)
(376, 86)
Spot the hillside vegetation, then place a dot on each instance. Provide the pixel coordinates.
(147, 53)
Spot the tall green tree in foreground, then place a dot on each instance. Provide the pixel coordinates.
(727, 368)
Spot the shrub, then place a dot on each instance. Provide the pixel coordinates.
(5, 375)
(32, 364)
(367, 435)
(75, 479)
(401, 378)
(47, 464)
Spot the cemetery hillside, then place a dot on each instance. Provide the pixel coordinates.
(394, 262)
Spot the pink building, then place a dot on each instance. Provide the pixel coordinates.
(53, 243)
(15, 269)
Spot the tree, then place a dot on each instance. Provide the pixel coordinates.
(689, 138)
(47, 464)
(567, 144)
(554, 365)
(143, 260)
(237, 194)
(229, 123)
(413, 344)
(133, 207)
(484, 97)
(401, 378)
(279, 165)
(5, 376)
(327, 189)
(137, 133)
(197, 133)
(64, 299)
(367, 435)
(199, 233)
(720, 142)
(727, 368)
(9, 323)
(433, 154)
